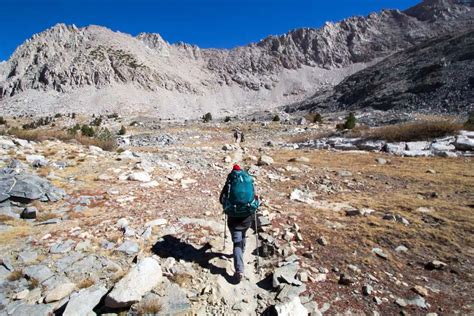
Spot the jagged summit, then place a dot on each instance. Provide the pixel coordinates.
(95, 69)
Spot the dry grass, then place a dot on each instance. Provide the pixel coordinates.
(41, 135)
(149, 307)
(309, 136)
(45, 216)
(34, 283)
(14, 233)
(86, 283)
(5, 218)
(15, 275)
(182, 279)
(411, 131)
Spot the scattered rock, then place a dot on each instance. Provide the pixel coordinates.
(29, 212)
(418, 289)
(62, 247)
(265, 160)
(379, 252)
(345, 280)
(129, 247)
(435, 265)
(139, 280)
(322, 241)
(84, 301)
(367, 290)
(59, 292)
(291, 308)
(139, 176)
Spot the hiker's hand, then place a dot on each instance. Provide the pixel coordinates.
(256, 197)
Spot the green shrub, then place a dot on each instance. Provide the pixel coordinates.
(87, 130)
(122, 130)
(207, 117)
(469, 125)
(276, 118)
(113, 116)
(2, 121)
(97, 121)
(227, 119)
(73, 116)
(57, 115)
(350, 121)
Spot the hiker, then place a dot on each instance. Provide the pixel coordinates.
(240, 205)
(236, 135)
(242, 138)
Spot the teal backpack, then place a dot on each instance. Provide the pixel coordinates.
(240, 196)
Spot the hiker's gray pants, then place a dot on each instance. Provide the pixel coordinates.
(238, 238)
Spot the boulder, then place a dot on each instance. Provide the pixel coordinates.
(300, 196)
(395, 148)
(464, 143)
(129, 247)
(62, 247)
(417, 153)
(59, 292)
(286, 274)
(83, 302)
(35, 309)
(265, 160)
(291, 308)
(442, 147)
(371, 145)
(39, 272)
(416, 146)
(29, 212)
(435, 265)
(140, 176)
(139, 280)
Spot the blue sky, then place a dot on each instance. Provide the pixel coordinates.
(207, 23)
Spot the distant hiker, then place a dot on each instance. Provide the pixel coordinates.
(240, 205)
(242, 138)
(236, 135)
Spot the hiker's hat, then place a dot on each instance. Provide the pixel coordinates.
(236, 167)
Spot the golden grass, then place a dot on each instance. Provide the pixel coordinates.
(399, 188)
(44, 216)
(85, 283)
(14, 233)
(411, 131)
(149, 307)
(15, 275)
(41, 135)
(33, 284)
(182, 279)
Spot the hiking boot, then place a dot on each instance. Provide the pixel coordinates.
(238, 276)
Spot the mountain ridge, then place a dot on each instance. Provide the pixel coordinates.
(275, 71)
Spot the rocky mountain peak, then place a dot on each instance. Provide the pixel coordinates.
(432, 10)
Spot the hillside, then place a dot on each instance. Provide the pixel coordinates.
(433, 77)
(95, 70)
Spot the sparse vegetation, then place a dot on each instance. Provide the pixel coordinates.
(227, 119)
(2, 121)
(58, 115)
(87, 131)
(350, 121)
(469, 125)
(413, 131)
(33, 284)
(96, 121)
(122, 130)
(276, 118)
(149, 307)
(85, 283)
(15, 275)
(182, 279)
(314, 118)
(207, 117)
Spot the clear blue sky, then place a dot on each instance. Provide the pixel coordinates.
(207, 23)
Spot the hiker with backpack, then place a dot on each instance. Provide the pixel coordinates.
(240, 206)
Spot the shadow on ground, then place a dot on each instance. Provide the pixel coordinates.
(170, 246)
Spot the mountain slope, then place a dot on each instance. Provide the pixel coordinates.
(436, 76)
(93, 69)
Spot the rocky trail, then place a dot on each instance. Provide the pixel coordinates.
(140, 230)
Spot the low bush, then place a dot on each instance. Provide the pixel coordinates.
(2, 121)
(87, 131)
(276, 118)
(314, 118)
(207, 117)
(227, 119)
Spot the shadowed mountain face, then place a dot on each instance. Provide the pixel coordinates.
(436, 76)
(94, 69)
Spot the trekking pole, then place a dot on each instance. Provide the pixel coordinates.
(256, 239)
(225, 229)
